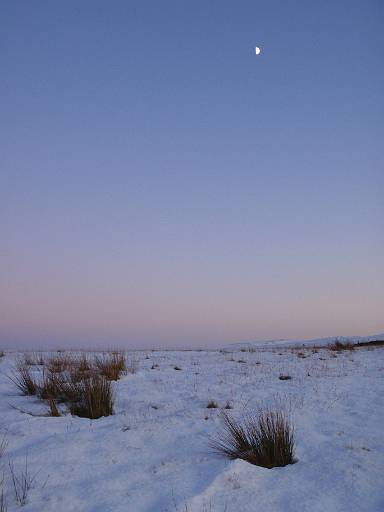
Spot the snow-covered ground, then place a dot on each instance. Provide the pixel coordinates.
(153, 454)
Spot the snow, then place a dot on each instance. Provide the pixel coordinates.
(153, 455)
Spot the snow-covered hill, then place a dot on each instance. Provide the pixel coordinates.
(321, 342)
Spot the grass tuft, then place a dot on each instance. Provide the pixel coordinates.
(83, 385)
(338, 346)
(51, 386)
(112, 366)
(265, 440)
(23, 379)
(284, 377)
(94, 398)
(59, 363)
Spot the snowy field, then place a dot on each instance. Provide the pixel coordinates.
(153, 453)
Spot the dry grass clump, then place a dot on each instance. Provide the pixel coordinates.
(265, 440)
(284, 377)
(94, 398)
(79, 369)
(251, 350)
(83, 385)
(23, 379)
(59, 363)
(61, 388)
(338, 346)
(111, 366)
(50, 387)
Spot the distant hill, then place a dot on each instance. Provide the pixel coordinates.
(356, 340)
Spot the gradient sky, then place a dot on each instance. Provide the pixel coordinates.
(161, 186)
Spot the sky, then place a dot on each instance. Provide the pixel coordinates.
(163, 186)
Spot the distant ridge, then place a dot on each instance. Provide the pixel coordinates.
(356, 340)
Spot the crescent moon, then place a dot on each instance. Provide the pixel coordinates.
(257, 50)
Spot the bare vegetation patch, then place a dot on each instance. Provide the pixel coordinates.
(212, 404)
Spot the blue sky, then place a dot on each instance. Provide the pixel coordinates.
(163, 186)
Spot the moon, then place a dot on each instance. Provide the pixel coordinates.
(257, 50)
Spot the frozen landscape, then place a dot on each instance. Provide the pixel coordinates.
(179, 179)
(153, 454)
